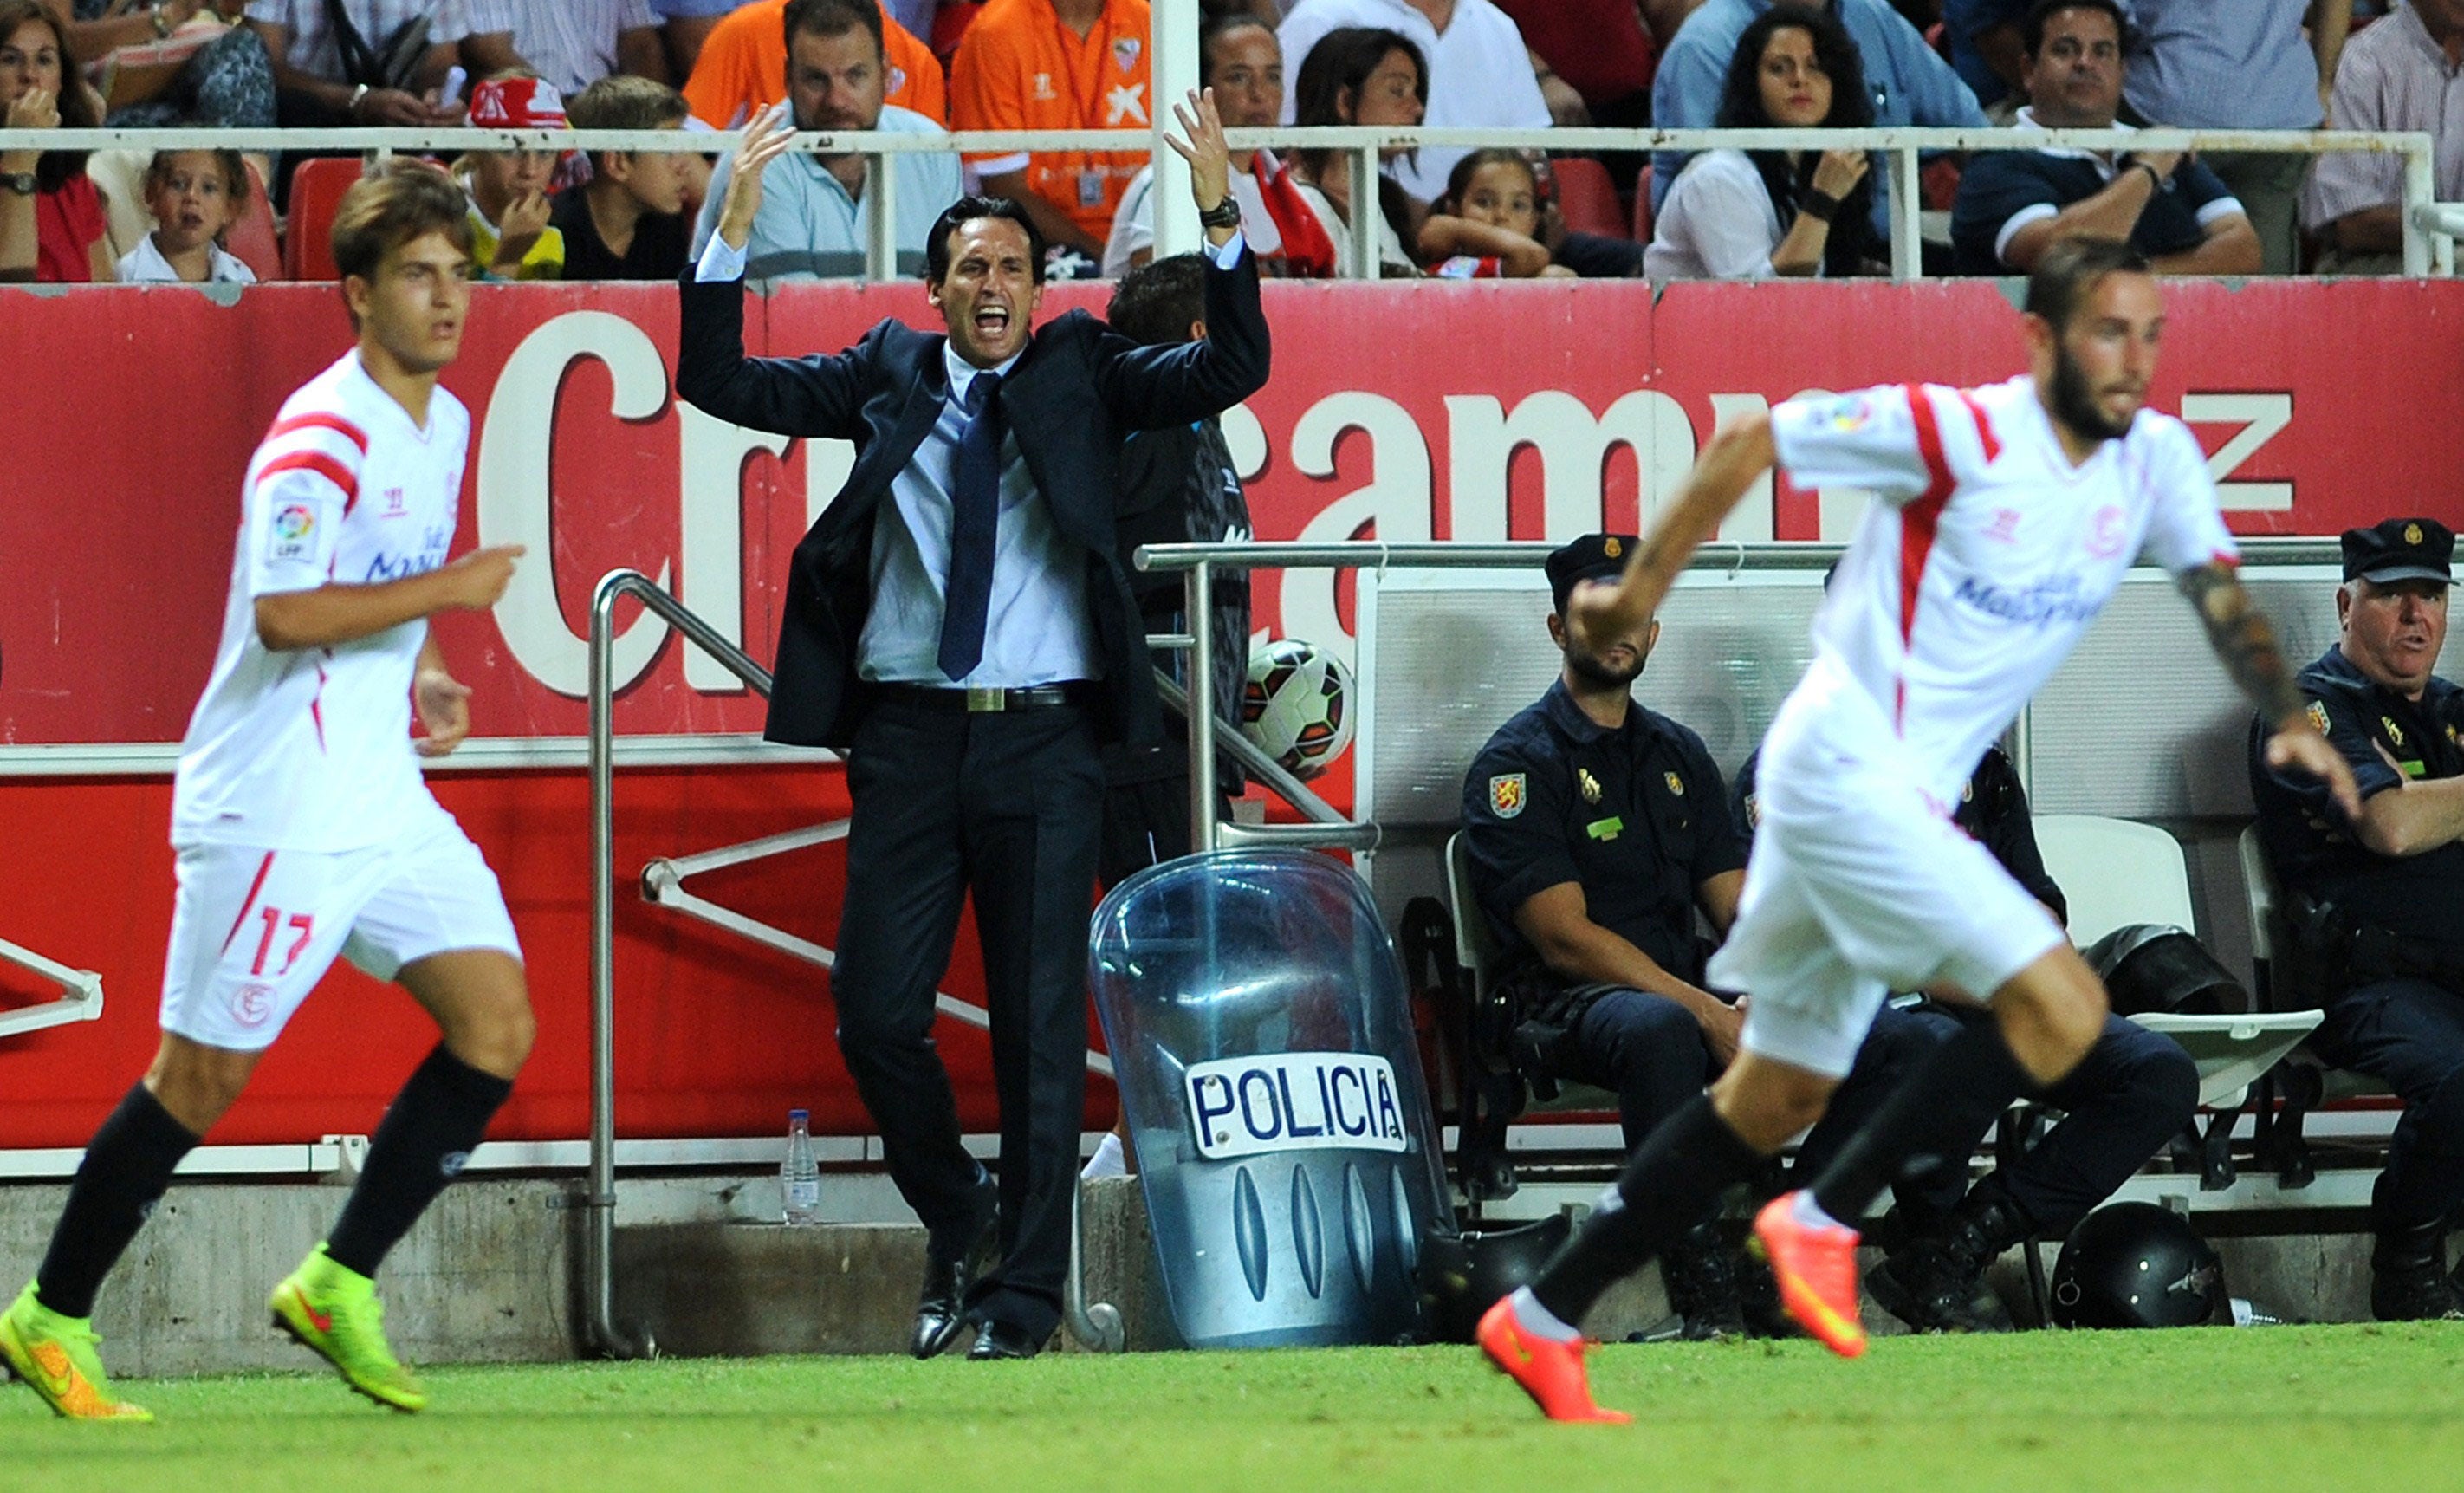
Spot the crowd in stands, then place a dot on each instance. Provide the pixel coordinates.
(923, 66)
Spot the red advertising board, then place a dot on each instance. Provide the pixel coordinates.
(1475, 411)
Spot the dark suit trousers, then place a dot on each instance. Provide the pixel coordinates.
(1007, 806)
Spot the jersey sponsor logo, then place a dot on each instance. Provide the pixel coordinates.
(1124, 52)
(293, 533)
(1294, 1101)
(2058, 601)
(2005, 526)
(2105, 532)
(1125, 104)
(396, 568)
(1506, 796)
(1044, 93)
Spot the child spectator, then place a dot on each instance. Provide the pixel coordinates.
(1493, 223)
(1361, 75)
(194, 195)
(52, 226)
(511, 238)
(1738, 215)
(625, 222)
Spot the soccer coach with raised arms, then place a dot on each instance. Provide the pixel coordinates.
(958, 622)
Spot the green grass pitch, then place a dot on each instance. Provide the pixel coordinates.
(2308, 1408)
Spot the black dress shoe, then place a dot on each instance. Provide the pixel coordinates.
(940, 1308)
(1002, 1340)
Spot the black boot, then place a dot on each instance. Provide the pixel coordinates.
(1934, 1280)
(2409, 1276)
(1701, 1273)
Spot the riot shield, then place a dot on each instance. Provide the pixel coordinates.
(1262, 1040)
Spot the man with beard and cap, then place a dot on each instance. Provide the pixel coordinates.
(2003, 519)
(1598, 829)
(2384, 893)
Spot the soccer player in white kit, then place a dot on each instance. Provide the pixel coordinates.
(303, 827)
(2004, 518)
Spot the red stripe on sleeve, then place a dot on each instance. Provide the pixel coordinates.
(1984, 425)
(318, 420)
(1919, 522)
(323, 466)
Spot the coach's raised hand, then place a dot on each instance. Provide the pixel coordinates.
(1202, 144)
(767, 135)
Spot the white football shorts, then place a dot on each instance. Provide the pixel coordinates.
(253, 929)
(1861, 885)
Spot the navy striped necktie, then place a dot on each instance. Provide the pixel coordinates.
(974, 514)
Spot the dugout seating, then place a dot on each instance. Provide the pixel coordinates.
(2304, 1082)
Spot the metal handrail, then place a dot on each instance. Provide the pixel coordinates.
(2428, 240)
(1198, 563)
(599, 1233)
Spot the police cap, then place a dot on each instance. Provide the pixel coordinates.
(2400, 549)
(1594, 556)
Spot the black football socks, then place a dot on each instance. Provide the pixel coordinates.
(1975, 1059)
(426, 1137)
(127, 1166)
(1672, 1184)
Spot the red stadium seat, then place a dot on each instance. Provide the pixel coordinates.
(1643, 206)
(252, 238)
(1588, 198)
(317, 191)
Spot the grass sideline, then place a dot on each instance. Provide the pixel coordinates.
(2212, 1408)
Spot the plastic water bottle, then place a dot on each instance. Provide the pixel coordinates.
(799, 1177)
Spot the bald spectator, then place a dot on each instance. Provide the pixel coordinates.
(2194, 64)
(1057, 65)
(2404, 72)
(1908, 81)
(742, 68)
(570, 43)
(2014, 204)
(1480, 71)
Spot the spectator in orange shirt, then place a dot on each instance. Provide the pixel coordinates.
(1057, 64)
(742, 68)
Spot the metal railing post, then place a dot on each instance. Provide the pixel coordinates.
(1907, 203)
(1366, 213)
(2420, 188)
(881, 229)
(1198, 589)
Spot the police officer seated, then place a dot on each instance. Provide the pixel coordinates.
(2377, 904)
(2133, 1092)
(1598, 829)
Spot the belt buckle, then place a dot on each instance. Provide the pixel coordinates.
(980, 701)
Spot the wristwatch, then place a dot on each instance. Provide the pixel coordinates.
(22, 183)
(1223, 214)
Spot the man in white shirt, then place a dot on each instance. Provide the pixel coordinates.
(314, 61)
(2003, 518)
(2405, 72)
(1480, 72)
(304, 828)
(571, 43)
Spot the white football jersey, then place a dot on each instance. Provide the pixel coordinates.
(309, 749)
(1987, 554)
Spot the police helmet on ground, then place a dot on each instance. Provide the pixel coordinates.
(1462, 1275)
(2134, 1264)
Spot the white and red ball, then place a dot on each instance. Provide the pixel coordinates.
(1298, 707)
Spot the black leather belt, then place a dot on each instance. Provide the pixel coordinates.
(977, 702)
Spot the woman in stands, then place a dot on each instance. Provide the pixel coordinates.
(1741, 215)
(52, 228)
(1361, 75)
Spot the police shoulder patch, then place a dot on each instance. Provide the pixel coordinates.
(1505, 795)
(1675, 784)
(2319, 715)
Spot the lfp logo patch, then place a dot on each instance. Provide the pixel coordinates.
(294, 532)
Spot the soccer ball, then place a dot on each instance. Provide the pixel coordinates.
(1298, 707)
